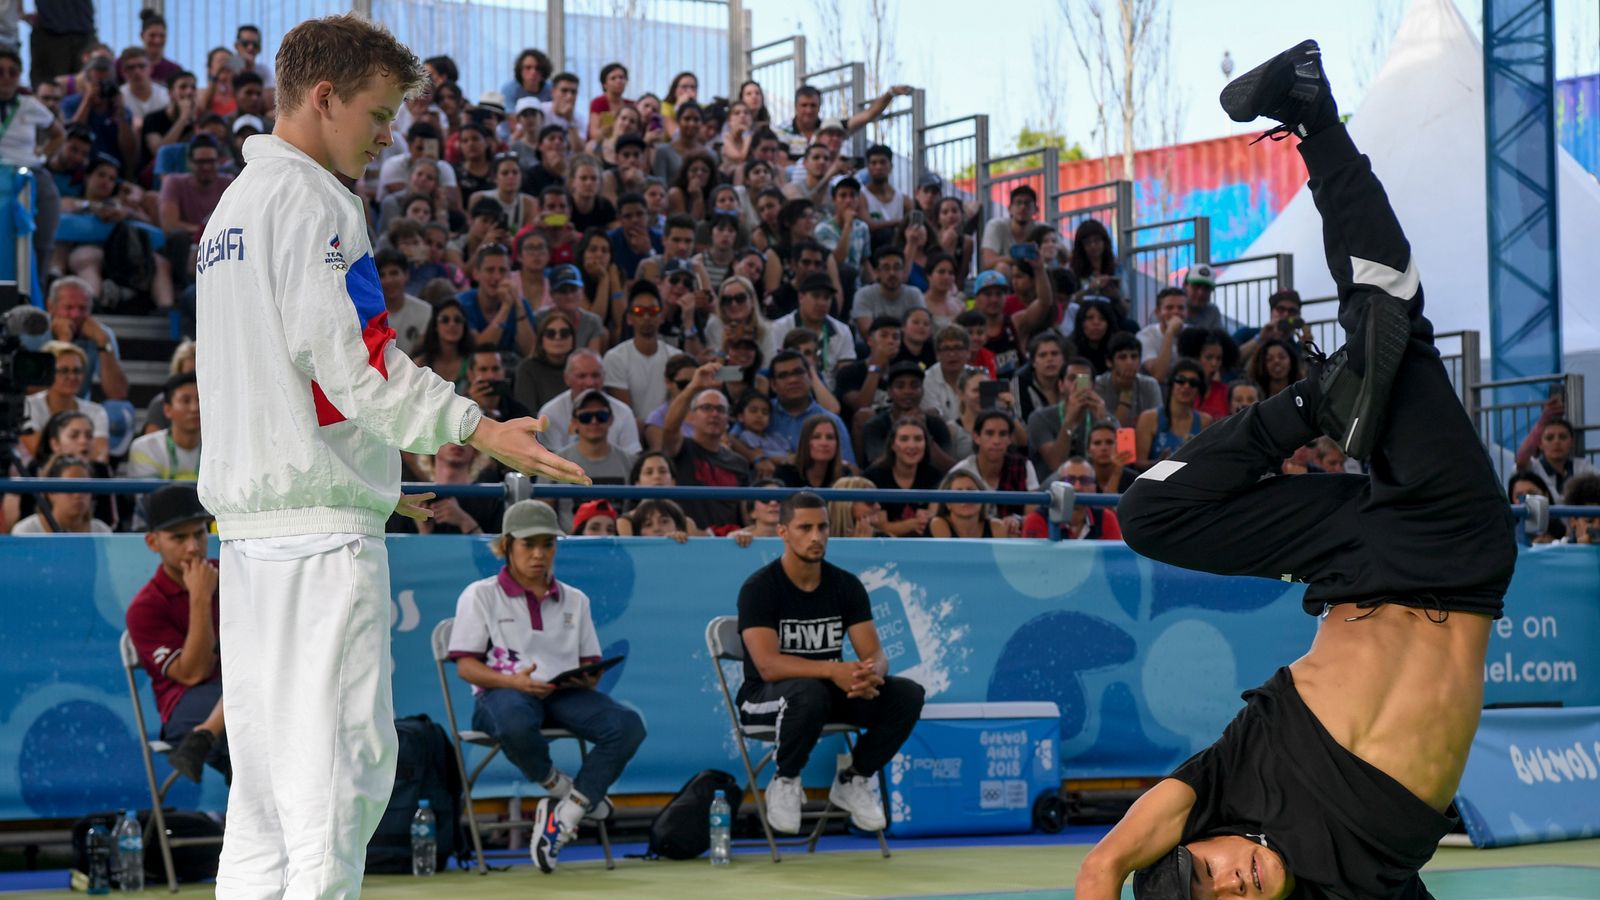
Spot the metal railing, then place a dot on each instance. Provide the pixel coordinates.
(654, 38)
(952, 149)
(1504, 413)
(779, 67)
(1110, 203)
(1246, 299)
(843, 90)
(1156, 254)
(998, 176)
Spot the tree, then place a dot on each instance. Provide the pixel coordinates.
(1123, 54)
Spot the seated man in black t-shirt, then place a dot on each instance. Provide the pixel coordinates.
(794, 614)
(700, 458)
(1336, 778)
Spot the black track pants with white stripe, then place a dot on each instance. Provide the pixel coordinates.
(1428, 526)
(799, 707)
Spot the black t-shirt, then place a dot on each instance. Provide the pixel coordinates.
(1006, 348)
(470, 184)
(781, 302)
(724, 468)
(810, 624)
(926, 479)
(1344, 828)
(852, 375)
(927, 357)
(875, 435)
(601, 215)
(538, 178)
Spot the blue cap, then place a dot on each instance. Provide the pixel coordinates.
(989, 279)
(565, 275)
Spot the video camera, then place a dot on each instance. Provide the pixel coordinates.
(24, 329)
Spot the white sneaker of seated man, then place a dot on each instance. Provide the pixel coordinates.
(853, 795)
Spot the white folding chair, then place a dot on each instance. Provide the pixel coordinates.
(724, 644)
(441, 653)
(158, 793)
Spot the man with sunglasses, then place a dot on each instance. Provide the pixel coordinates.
(1283, 322)
(635, 368)
(701, 458)
(247, 43)
(591, 448)
(1086, 524)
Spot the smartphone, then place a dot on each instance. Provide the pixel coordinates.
(1082, 382)
(917, 218)
(730, 373)
(1557, 390)
(1024, 251)
(1127, 444)
(989, 394)
(554, 220)
(430, 148)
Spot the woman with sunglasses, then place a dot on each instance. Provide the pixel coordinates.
(540, 377)
(447, 344)
(736, 316)
(62, 396)
(533, 258)
(1160, 432)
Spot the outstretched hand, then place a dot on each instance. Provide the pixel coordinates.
(515, 444)
(415, 506)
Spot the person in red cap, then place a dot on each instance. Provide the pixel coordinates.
(597, 518)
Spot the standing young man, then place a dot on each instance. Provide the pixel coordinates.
(309, 401)
(1336, 779)
(794, 615)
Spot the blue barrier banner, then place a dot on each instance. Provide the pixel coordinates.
(1144, 661)
(1533, 776)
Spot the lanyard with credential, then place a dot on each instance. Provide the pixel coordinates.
(172, 457)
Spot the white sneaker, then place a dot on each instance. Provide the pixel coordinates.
(558, 785)
(784, 797)
(857, 798)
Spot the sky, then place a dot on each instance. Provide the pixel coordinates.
(973, 62)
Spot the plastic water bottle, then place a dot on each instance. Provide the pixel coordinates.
(424, 841)
(98, 844)
(721, 835)
(130, 852)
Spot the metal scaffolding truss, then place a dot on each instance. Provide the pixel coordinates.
(1520, 156)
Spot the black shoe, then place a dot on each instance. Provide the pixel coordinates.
(1351, 387)
(1290, 87)
(189, 757)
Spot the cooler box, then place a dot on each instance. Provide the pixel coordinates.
(974, 768)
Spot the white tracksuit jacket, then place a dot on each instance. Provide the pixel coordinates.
(305, 395)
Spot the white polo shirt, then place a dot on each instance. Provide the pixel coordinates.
(503, 626)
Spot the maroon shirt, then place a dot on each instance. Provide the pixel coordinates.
(158, 622)
(195, 203)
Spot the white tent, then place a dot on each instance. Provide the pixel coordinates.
(1422, 123)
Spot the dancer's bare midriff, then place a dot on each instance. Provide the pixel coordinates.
(1400, 690)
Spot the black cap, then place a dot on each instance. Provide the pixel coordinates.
(172, 506)
(904, 367)
(1167, 879)
(818, 282)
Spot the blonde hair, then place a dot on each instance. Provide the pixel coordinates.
(841, 513)
(940, 509)
(184, 353)
(59, 349)
(346, 50)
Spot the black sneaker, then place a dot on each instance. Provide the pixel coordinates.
(189, 757)
(1352, 386)
(1290, 87)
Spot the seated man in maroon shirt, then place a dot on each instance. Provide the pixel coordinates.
(187, 199)
(173, 623)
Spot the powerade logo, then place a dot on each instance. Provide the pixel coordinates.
(227, 244)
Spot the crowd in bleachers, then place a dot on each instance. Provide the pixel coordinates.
(690, 291)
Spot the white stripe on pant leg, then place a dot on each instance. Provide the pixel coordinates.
(325, 699)
(253, 861)
(761, 709)
(1395, 283)
(1162, 470)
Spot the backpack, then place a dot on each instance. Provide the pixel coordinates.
(189, 863)
(129, 258)
(682, 830)
(426, 770)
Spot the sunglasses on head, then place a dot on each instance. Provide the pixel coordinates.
(593, 416)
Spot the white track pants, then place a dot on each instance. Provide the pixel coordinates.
(305, 656)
